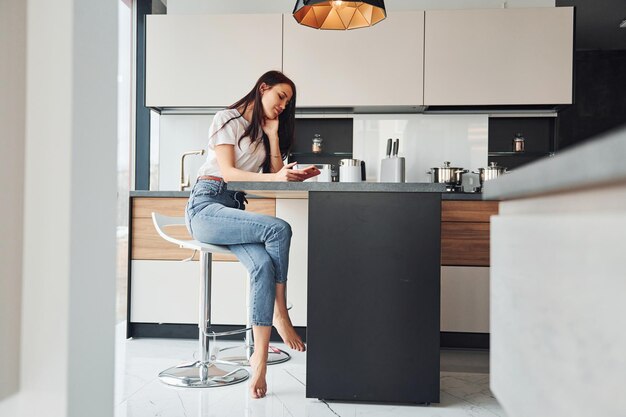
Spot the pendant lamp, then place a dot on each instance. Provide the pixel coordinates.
(339, 15)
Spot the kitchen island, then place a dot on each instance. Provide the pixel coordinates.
(558, 283)
(373, 299)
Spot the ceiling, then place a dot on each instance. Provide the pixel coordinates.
(597, 23)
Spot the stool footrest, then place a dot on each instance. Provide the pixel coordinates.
(240, 355)
(227, 333)
(202, 375)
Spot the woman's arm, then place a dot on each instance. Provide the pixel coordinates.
(226, 161)
(270, 127)
(276, 159)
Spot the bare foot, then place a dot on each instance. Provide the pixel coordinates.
(282, 322)
(258, 366)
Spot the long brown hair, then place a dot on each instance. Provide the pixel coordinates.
(286, 120)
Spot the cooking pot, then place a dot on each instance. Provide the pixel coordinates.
(491, 172)
(447, 174)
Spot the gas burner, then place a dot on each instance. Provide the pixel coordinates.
(453, 188)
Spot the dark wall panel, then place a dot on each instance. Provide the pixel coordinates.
(600, 99)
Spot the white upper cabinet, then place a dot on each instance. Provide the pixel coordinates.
(380, 65)
(520, 56)
(498, 56)
(208, 60)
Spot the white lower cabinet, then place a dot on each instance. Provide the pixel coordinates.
(168, 292)
(296, 213)
(465, 299)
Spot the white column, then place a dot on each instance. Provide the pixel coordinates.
(557, 304)
(68, 293)
(12, 115)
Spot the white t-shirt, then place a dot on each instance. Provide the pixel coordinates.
(248, 158)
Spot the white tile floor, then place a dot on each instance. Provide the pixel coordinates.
(138, 392)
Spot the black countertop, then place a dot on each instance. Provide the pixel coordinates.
(462, 196)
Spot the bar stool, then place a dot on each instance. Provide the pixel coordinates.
(205, 372)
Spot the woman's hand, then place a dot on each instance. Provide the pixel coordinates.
(288, 174)
(270, 127)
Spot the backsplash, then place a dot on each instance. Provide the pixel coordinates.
(336, 134)
(538, 134)
(425, 141)
(179, 134)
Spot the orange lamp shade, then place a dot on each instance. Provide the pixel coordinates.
(339, 15)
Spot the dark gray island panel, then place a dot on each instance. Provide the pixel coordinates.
(374, 296)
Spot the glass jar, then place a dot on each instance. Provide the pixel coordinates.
(518, 143)
(316, 147)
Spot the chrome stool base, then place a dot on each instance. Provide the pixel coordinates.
(202, 375)
(239, 355)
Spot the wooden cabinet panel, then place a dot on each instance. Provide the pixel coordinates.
(465, 232)
(142, 207)
(468, 211)
(147, 244)
(465, 244)
(175, 206)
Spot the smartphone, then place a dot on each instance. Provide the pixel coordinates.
(309, 172)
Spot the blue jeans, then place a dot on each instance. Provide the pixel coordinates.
(216, 215)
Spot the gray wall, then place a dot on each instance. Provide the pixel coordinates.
(12, 119)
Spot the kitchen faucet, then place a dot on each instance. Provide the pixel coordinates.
(184, 180)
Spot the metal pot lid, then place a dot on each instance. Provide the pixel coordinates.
(446, 165)
(493, 166)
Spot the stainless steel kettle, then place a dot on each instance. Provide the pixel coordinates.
(350, 170)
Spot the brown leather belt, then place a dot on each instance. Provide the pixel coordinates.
(210, 177)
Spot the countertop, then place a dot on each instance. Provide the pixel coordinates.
(165, 193)
(599, 162)
(301, 189)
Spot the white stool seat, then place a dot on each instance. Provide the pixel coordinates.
(161, 222)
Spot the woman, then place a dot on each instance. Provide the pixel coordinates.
(248, 142)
